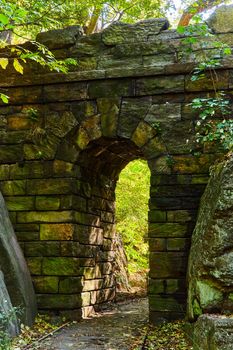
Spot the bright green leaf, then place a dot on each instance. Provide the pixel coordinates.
(4, 19)
(4, 98)
(18, 67)
(4, 62)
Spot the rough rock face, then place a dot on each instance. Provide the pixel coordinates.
(64, 37)
(213, 333)
(12, 263)
(210, 272)
(120, 32)
(221, 21)
(6, 308)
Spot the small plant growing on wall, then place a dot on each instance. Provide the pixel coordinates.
(214, 123)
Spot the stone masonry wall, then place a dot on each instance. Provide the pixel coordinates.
(64, 140)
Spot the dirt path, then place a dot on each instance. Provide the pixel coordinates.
(117, 328)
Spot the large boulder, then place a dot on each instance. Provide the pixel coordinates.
(221, 21)
(12, 264)
(212, 332)
(210, 271)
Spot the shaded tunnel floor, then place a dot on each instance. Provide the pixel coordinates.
(118, 327)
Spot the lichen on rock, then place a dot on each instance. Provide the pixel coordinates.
(210, 272)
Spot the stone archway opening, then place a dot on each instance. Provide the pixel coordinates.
(101, 164)
(132, 199)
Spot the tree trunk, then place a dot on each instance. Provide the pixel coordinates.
(6, 36)
(194, 9)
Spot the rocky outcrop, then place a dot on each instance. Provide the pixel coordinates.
(210, 272)
(60, 38)
(213, 332)
(13, 265)
(221, 21)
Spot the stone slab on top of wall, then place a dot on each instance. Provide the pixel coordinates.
(142, 49)
(12, 263)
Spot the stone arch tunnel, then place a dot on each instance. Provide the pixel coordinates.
(64, 138)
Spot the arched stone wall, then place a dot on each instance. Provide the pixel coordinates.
(63, 142)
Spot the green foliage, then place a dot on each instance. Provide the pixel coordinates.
(33, 114)
(28, 17)
(4, 98)
(132, 195)
(5, 320)
(16, 18)
(215, 123)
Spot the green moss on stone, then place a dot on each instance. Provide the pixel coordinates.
(46, 284)
(47, 203)
(208, 295)
(61, 266)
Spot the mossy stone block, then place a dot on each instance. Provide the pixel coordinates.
(42, 248)
(168, 230)
(4, 172)
(12, 188)
(46, 284)
(168, 265)
(156, 286)
(61, 266)
(49, 186)
(50, 232)
(10, 154)
(20, 203)
(47, 203)
(157, 216)
(44, 216)
(59, 301)
(109, 110)
(70, 285)
(34, 265)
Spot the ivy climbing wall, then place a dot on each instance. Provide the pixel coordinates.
(64, 138)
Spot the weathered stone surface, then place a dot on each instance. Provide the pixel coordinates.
(60, 38)
(13, 265)
(46, 284)
(210, 271)
(60, 125)
(159, 85)
(58, 266)
(221, 20)
(167, 265)
(109, 110)
(45, 216)
(56, 232)
(121, 32)
(38, 248)
(213, 332)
